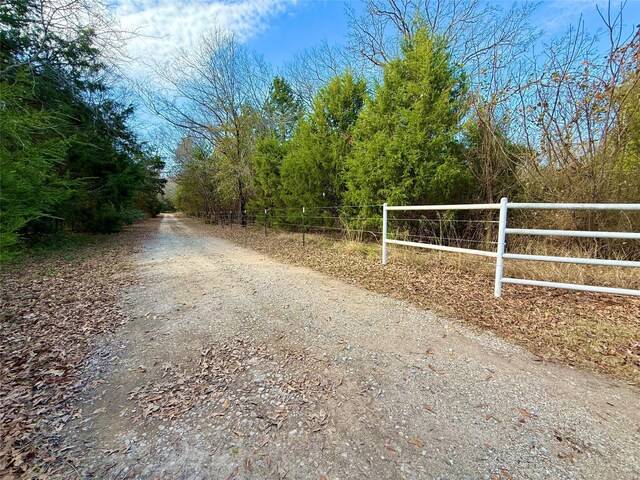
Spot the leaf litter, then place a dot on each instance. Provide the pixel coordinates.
(52, 311)
(241, 376)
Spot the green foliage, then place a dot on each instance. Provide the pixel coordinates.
(282, 112)
(283, 109)
(207, 182)
(66, 149)
(406, 150)
(267, 163)
(32, 151)
(312, 172)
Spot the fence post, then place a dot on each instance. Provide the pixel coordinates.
(502, 225)
(265, 222)
(303, 227)
(384, 233)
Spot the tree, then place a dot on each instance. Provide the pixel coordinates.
(312, 69)
(67, 148)
(488, 41)
(214, 95)
(491, 155)
(31, 151)
(313, 170)
(405, 139)
(575, 115)
(282, 110)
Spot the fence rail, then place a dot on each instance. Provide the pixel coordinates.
(500, 254)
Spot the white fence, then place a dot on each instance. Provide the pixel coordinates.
(503, 230)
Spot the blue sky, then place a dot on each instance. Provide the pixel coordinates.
(280, 28)
(306, 24)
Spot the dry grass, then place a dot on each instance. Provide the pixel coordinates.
(597, 332)
(563, 272)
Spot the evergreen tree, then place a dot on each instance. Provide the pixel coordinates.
(283, 110)
(406, 150)
(313, 170)
(66, 147)
(31, 153)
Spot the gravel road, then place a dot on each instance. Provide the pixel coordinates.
(237, 366)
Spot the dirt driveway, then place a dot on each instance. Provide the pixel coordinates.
(237, 366)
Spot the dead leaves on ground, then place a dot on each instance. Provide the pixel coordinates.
(51, 312)
(416, 443)
(240, 378)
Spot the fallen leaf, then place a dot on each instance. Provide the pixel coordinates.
(506, 474)
(429, 408)
(524, 412)
(416, 442)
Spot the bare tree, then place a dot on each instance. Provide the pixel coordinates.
(570, 113)
(56, 24)
(475, 31)
(576, 114)
(312, 68)
(214, 95)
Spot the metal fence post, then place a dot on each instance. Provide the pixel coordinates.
(502, 226)
(303, 227)
(384, 233)
(265, 222)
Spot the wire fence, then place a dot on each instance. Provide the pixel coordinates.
(474, 229)
(364, 223)
(466, 229)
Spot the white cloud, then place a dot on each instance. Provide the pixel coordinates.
(555, 16)
(165, 26)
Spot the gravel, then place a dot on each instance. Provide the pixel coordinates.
(237, 366)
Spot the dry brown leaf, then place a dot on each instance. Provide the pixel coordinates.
(60, 306)
(524, 412)
(506, 474)
(526, 315)
(416, 442)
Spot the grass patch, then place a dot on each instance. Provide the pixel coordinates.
(64, 244)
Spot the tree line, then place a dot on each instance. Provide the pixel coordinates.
(68, 154)
(432, 103)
